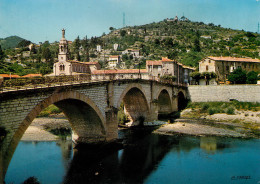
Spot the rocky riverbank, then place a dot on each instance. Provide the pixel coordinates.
(244, 124)
(41, 128)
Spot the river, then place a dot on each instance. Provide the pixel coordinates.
(147, 158)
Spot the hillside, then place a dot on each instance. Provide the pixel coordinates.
(185, 41)
(10, 42)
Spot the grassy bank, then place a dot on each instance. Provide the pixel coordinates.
(223, 107)
(52, 109)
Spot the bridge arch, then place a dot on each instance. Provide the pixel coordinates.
(182, 100)
(136, 105)
(164, 102)
(80, 111)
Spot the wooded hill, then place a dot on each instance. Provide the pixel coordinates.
(186, 41)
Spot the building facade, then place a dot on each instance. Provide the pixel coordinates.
(170, 67)
(223, 66)
(114, 61)
(64, 66)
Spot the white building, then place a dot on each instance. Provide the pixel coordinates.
(99, 48)
(114, 61)
(115, 46)
(64, 66)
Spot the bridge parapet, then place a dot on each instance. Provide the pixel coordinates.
(47, 82)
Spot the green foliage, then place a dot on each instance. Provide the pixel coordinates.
(23, 43)
(2, 54)
(10, 42)
(122, 33)
(122, 118)
(238, 76)
(52, 109)
(251, 77)
(223, 107)
(168, 77)
(230, 110)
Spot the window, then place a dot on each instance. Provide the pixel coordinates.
(159, 68)
(207, 67)
(150, 68)
(62, 67)
(227, 68)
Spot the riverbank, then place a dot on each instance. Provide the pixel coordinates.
(41, 127)
(243, 124)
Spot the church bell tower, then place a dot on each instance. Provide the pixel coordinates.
(63, 48)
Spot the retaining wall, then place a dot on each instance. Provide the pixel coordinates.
(224, 93)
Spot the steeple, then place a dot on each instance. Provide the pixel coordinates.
(63, 33)
(63, 48)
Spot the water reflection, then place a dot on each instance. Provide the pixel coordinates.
(146, 158)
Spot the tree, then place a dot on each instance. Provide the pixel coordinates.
(23, 43)
(111, 29)
(238, 76)
(172, 55)
(2, 54)
(251, 77)
(76, 45)
(122, 33)
(196, 47)
(196, 76)
(46, 54)
(85, 46)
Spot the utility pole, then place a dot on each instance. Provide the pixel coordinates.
(123, 19)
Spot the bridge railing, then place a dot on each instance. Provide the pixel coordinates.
(43, 82)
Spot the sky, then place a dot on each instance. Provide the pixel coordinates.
(41, 20)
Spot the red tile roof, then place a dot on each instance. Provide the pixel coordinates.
(33, 75)
(114, 56)
(148, 62)
(166, 59)
(85, 63)
(120, 71)
(234, 59)
(8, 76)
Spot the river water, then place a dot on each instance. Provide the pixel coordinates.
(147, 158)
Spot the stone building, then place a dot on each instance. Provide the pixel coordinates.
(134, 52)
(64, 66)
(167, 66)
(114, 61)
(223, 66)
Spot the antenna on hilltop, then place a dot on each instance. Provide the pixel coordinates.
(258, 28)
(124, 19)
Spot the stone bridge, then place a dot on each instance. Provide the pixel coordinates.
(91, 108)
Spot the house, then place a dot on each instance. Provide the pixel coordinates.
(223, 66)
(169, 67)
(114, 61)
(64, 66)
(134, 52)
(120, 74)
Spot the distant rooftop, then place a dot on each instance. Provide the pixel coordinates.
(234, 59)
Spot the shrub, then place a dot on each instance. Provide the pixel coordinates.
(230, 110)
(211, 111)
(205, 106)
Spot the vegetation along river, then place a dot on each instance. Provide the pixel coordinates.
(145, 158)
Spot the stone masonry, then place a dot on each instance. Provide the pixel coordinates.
(91, 109)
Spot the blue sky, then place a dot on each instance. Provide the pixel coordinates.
(40, 20)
